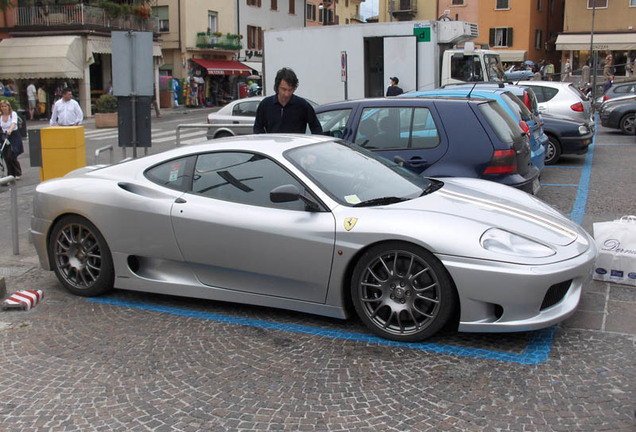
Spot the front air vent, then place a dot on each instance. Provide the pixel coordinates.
(555, 294)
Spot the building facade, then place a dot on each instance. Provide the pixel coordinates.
(603, 25)
(66, 45)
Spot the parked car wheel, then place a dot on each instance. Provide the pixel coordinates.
(80, 257)
(552, 151)
(402, 292)
(628, 124)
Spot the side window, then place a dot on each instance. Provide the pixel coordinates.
(334, 122)
(425, 134)
(175, 174)
(538, 91)
(245, 109)
(383, 128)
(243, 178)
(549, 93)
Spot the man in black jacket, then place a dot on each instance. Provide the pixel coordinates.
(284, 112)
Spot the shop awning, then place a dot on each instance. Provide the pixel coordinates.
(42, 57)
(513, 55)
(224, 67)
(611, 41)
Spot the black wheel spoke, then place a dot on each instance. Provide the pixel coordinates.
(400, 293)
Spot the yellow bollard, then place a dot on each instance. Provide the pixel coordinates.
(63, 150)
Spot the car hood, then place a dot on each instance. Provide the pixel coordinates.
(489, 204)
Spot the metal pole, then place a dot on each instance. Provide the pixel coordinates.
(14, 217)
(593, 54)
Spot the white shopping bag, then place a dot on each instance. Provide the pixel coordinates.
(616, 260)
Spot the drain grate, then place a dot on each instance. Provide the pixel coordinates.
(13, 271)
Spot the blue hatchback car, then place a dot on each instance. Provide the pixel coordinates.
(512, 105)
(438, 137)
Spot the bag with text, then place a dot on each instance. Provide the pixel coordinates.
(616, 260)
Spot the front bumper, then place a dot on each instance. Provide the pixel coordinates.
(504, 297)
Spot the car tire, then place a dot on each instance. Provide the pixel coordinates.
(402, 292)
(552, 151)
(80, 257)
(628, 124)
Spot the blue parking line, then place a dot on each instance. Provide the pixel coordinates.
(558, 184)
(537, 351)
(578, 209)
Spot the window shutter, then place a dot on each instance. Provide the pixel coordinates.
(492, 37)
(509, 43)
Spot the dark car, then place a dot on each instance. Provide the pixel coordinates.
(620, 114)
(565, 137)
(438, 137)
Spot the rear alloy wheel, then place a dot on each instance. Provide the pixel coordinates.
(628, 124)
(80, 257)
(402, 292)
(552, 151)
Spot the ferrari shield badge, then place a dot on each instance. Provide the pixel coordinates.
(349, 223)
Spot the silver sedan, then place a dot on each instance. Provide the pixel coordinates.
(311, 224)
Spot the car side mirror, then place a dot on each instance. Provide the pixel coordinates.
(290, 193)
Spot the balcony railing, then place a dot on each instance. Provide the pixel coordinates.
(79, 16)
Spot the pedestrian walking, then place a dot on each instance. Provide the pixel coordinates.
(32, 98)
(66, 111)
(284, 112)
(10, 153)
(394, 89)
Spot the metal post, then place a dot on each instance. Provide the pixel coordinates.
(14, 217)
(593, 54)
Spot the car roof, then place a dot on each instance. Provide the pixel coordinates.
(401, 100)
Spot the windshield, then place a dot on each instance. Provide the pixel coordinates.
(352, 175)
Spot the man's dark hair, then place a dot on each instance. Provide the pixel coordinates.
(288, 75)
(66, 90)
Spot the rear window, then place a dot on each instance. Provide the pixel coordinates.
(506, 129)
(515, 104)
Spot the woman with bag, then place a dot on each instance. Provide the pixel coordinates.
(9, 125)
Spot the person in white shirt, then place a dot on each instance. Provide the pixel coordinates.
(32, 97)
(66, 111)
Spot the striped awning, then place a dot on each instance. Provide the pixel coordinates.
(224, 67)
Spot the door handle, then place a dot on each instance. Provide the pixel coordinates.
(180, 201)
(417, 161)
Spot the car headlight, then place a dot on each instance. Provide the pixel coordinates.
(504, 242)
(583, 130)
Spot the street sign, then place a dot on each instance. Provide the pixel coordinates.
(132, 63)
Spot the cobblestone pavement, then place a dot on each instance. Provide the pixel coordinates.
(145, 362)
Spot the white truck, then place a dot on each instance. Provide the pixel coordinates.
(336, 63)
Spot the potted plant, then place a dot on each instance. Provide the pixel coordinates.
(106, 116)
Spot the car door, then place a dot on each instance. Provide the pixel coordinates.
(239, 240)
(410, 133)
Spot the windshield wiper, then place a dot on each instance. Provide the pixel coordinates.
(380, 201)
(432, 187)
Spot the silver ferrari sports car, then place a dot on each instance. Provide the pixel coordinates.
(312, 224)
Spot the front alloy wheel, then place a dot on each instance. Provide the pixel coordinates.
(552, 151)
(402, 292)
(80, 257)
(628, 124)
